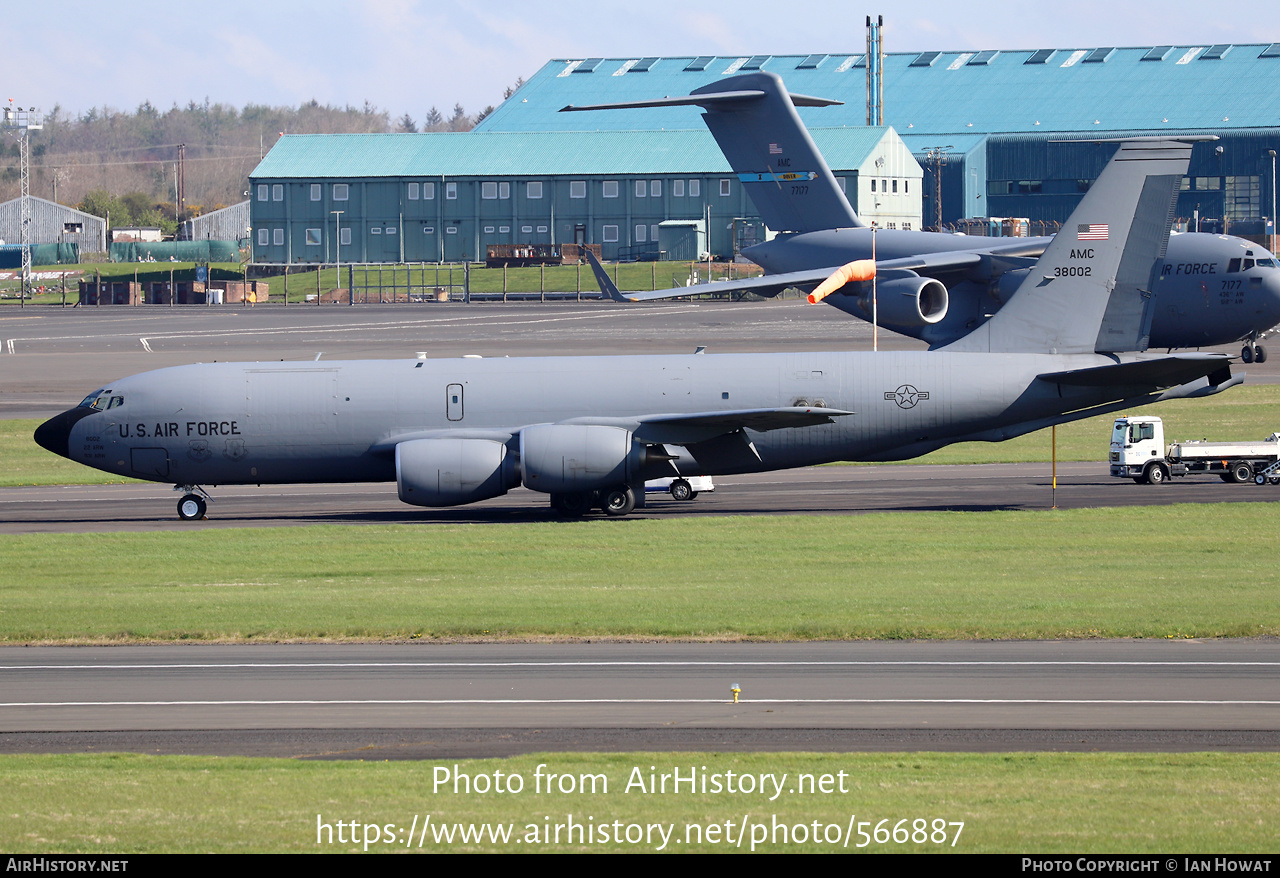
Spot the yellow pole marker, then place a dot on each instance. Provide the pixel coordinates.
(859, 269)
(735, 689)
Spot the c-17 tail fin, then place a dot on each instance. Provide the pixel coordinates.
(1092, 289)
(754, 120)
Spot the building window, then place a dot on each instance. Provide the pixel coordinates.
(655, 188)
(677, 188)
(391, 230)
(533, 189)
(504, 230)
(313, 237)
(413, 191)
(375, 231)
(428, 230)
(345, 237)
(906, 226)
(526, 230)
(488, 230)
(451, 230)
(428, 191)
(339, 191)
(504, 190)
(451, 191)
(262, 192)
(895, 187)
(873, 185)
(277, 237)
(642, 189)
(609, 188)
(277, 192)
(695, 188)
(640, 227)
(542, 230)
(315, 192)
(489, 190)
(610, 234)
(264, 237)
(724, 188)
(905, 187)
(577, 188)
(653, 233)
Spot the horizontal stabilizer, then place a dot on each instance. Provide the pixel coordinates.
(1170, 371)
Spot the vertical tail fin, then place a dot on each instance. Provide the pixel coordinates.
(755, 123)
(1091, 291)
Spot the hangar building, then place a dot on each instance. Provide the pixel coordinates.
(997, 113)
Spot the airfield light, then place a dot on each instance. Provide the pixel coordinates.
(20, 123)
(735, 689)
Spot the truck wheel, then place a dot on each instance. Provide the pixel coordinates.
(1259, 479)
(1227, 477)
(1156, 475)
(1241, 472)
(681, 490)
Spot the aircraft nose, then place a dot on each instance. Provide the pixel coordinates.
(55, 434)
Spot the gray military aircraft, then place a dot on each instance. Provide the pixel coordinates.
(588, 431)
(937, 287)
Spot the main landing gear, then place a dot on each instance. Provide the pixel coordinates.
(194, 503)
(616, 501)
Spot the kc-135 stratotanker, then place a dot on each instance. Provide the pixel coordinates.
(588, 431)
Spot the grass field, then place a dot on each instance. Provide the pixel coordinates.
(304, 281)
(1044, 803)
(1127, 572)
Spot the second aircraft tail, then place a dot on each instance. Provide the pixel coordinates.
(754, 120)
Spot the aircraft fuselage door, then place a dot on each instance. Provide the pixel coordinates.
(453, 402)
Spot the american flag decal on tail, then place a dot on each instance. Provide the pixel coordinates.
(774, 149)
(1092, 232)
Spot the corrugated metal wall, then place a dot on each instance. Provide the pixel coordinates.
(228, 224)
(49, 225)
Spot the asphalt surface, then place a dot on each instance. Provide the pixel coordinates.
(414, 701)
(435, 701)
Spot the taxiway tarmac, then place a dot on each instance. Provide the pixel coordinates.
(433, 701)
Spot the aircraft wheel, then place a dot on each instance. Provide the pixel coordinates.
(1246, 354)
(191, 507)
(1241, 473)
(618, 501)
(1259, 354)
(1156, 474)
(572, 505)
(682, 490)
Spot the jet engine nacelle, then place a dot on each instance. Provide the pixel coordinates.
(565, 458)
(451, 472)
(907, 301)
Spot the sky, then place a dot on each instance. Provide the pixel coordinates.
(406, 56)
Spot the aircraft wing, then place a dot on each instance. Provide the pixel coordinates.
(1167, 371)
(928, 264)
(690, 428)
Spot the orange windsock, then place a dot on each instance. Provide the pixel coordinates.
(859, 269)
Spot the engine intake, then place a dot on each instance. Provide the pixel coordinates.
(908, 301)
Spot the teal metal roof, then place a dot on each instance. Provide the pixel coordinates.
(530, 154)
(1024, 91)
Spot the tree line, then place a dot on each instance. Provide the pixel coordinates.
(105, 159)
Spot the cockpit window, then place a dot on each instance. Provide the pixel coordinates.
(1248, 264)
(101, 400)
(1233, 266)
(1267, 263)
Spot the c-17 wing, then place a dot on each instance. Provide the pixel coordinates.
(769, 285)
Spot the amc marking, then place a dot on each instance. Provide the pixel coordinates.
(906, 396)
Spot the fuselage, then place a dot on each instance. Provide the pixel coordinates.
(238, 423)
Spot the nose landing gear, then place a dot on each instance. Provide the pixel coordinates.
(193, 505)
